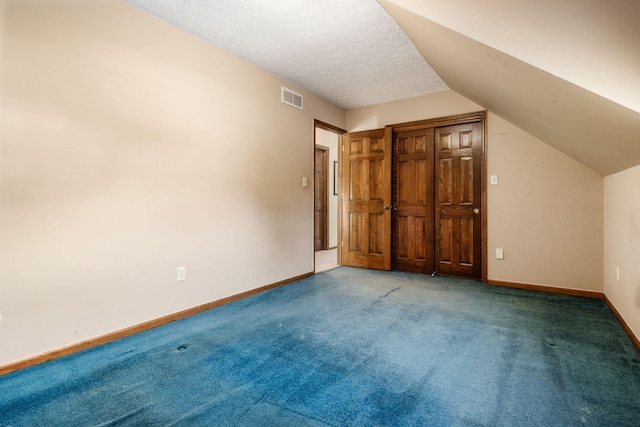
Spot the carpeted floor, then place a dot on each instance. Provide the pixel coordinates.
(351, 347)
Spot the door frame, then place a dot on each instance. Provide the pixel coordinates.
(479, 116)
(339, 131)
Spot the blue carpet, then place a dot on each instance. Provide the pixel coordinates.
(351, 347)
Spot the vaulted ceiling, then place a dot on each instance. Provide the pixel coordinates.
(582, 113)
(567, 72)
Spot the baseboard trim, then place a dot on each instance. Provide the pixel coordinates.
(121, 333)
(574, 292)
(622, 322)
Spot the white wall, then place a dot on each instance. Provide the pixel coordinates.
(546, 211)
(129, 148)
(330, 139)
(622, 244)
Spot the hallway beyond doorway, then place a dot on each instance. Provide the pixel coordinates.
(326, 259)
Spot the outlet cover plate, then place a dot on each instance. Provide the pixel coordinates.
(181, 274)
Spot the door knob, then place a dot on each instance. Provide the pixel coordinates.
(385, 207)
(476, 211)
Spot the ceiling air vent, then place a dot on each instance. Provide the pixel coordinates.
(291, 98)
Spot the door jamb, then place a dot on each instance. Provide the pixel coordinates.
(339, 131)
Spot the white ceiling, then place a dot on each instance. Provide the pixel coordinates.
(350, 52)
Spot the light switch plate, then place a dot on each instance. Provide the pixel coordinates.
(499, 253)
(305, 182)
(494, 179)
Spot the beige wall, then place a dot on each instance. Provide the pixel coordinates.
(622, 244)
(129, 148)
(439, 104)
(546, 211)
(330, 140)
(578, 44)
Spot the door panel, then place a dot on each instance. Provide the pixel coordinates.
(420, 243)
(376, 238)
(466, 241)
(366, 231)
(376, 176)
(413, 201)
(446, 239)
(355, 232)
(466, 180)
(356, 187)
(446, 180)
(458, 225)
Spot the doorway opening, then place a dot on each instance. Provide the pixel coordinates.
(327, 142)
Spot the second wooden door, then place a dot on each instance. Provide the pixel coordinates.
(413, 201)
(458, 200)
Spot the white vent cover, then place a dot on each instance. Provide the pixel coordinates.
(291, 98)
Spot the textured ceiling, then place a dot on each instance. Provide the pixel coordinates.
(350, 52)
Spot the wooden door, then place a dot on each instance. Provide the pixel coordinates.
(413, 201)
(366, 199)
(320, 200)
(458, 200)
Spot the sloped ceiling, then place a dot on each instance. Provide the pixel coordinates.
(593, 44)
(602, 134)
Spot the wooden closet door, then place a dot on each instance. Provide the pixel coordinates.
(458, 200)
(366, 199)
(413, 201)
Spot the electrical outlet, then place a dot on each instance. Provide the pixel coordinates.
(499, 253)
(181, 274)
